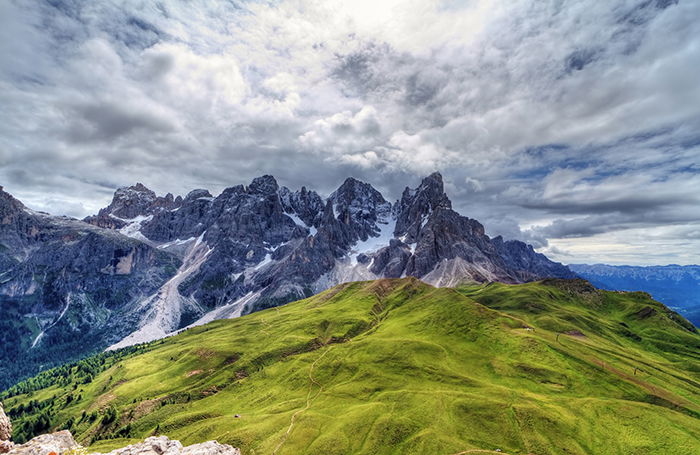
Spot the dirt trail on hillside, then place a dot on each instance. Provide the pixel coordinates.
(309, 400)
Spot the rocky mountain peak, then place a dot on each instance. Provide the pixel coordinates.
(133, 201)
(432, 191)
(138, 192)
(18, 228)
(356, 190)
(140, 188)
(526, 262)
(360, 206)
(8, 205)
(351, 184)
(248, 248)
(263, 185)
(416, 205)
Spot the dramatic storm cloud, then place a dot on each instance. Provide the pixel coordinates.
(573, 125)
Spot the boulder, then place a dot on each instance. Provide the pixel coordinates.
(162, 445)
(57, 443)
(210, 448)
(5, 426)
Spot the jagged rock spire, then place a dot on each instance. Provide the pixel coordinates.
(416, 205)
(360, 206)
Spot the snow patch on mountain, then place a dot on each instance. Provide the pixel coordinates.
(372, 244)
(299, 222)
(133, 226)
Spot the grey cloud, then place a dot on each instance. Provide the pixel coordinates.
(361, 71)
(584, 226)
(107, 120)
(627, 204)
(156, 66)
(579, 59)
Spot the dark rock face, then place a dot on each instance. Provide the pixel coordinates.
(528, 264)
(359, 207)
(447, 248)
(417, 205)
(267, 245)
(391, 261)
(307, 205)
(447, 235)
(146, 266)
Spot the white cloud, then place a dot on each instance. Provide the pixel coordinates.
(202, 82)
(343, 132)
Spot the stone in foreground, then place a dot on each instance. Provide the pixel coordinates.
(5, 432)
(162, 445)
(57, 443)
(62, 442)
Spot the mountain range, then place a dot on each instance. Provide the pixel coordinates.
(677, 286)
(147, 266)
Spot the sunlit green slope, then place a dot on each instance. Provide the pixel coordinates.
(396, 366)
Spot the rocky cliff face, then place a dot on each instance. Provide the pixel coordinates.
(146, 266)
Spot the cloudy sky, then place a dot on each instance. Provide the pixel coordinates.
(573, 125)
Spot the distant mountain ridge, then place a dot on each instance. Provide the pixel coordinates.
(677, 286)
(146, 265)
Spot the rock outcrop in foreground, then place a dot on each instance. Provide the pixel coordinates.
(62, 442)
(5, 431)
(45, 444)
(162, 445)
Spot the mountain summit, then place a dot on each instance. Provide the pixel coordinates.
(146, 266)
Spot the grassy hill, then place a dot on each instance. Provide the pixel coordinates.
(398, 367)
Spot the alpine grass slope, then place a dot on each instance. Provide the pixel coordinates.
(396, 366)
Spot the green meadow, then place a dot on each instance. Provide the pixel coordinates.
(398, 367)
